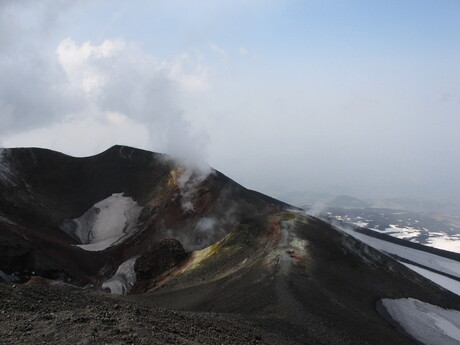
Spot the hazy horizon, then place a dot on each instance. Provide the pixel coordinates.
(333, 97)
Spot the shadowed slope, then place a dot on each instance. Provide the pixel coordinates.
(43, 188)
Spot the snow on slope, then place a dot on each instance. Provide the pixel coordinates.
(432, 261)
(104, 224)
(445, 282)
(436, 239)
(438, 263)
(123, 279)
(429, 324)
(403, 225)
(446, 242)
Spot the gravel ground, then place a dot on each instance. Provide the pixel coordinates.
(50, 315)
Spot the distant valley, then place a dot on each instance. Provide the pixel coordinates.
(422, 222)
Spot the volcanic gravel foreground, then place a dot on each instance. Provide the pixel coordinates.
(33, 314)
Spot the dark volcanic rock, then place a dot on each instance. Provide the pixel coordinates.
(156, 260)
(40, 190)
(41, 315)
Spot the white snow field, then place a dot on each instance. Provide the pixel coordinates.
(446, 282)
(437, 239)
(435, 262)
(429, 324)
(123, 279)
(410, 231)
(106, 223)
(446, 242)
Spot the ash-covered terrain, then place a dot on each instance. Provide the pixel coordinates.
(129, 246)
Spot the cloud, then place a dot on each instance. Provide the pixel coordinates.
(243, 51)
(354, 123)
(47, 88)
(219, 50)
(117, 77)
(33, 92)
(85, 135)
(112, 83)
(24, 23)
(120, 78)
(32, 83)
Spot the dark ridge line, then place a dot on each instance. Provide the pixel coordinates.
(124, 150)
(110, 149)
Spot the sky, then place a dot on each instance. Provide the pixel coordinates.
(342, 97)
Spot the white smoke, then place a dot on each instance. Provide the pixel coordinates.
(206, 224)
(55, 95)
(117, 79)
(318, 208)
(189, 181)
(207, 230)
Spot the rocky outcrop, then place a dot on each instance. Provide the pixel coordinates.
(156, 261)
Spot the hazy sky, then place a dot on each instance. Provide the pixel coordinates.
(357, 97)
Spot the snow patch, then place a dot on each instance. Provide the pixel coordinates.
(406, 232)
(361, 224)
(408, 229)
(429, 324)
(446, 282)
(446, 242)
(436, 239)
(438, 263)
(123, 279)
(109, 221)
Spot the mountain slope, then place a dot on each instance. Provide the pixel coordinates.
(132, 221)
(43, 190)
(299, 269)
